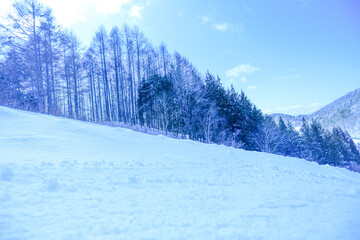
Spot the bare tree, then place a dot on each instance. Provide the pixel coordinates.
(75, 67)
(23, 32)
(100, 41)
(268, 138)
(129, 44)
(49, 31)
(115, 42)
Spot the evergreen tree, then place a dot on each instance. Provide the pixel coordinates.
(294, 141)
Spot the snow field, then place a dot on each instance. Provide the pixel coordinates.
(66, 179)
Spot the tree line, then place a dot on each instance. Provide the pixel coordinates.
(122, 77)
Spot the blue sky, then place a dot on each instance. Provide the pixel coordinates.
(289, 56)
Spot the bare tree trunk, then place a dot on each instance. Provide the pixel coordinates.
(129, 44)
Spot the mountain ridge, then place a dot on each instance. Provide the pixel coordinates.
(343, 112)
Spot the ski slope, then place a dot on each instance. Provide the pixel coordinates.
(67, 179)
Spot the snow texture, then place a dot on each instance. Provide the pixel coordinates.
(66, 179)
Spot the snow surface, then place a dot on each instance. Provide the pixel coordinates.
(66, 179)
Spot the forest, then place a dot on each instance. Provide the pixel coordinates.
(121, 77)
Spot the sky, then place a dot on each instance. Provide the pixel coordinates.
(288, 56)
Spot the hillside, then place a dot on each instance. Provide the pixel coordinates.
(343, 112)
(66, 179)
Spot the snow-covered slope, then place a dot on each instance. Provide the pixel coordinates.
(66, 179)
(343, 112)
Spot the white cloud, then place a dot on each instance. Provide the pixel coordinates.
(267, 111)
(238, 83)
(234, 28)
(224, 26)
(314, 105)
(68, 12)
(221, 27)
(205, 19)
(287, 108)
(5, 6)
(105, 7)
(296, 109)
(241, 69)
(135, 11)
(253, 87)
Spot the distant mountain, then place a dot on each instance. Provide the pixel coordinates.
(343, 112)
